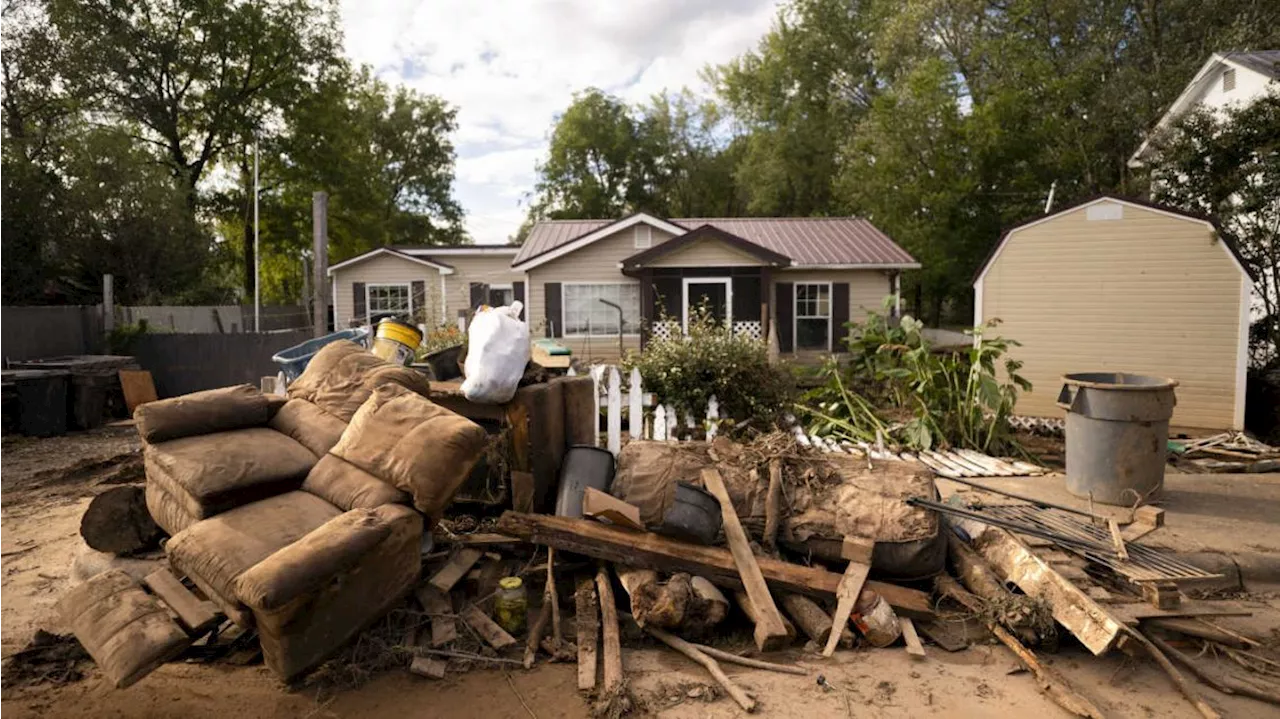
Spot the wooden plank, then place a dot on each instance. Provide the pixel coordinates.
(770, 628)
(444, 627)
(587, 622)
(428, 667)
(196, 616)
(138, 388)
(1117, 541)
(855, 576)
(773, 504)
(1132, 612)
(610, 635)
(457, 567)
(602, 505)
(654, 551)
(635, 408)
(488, 629)
(914, 647)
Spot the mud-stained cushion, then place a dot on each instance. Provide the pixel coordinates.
(213, 473)
(349, 487)
(167, 511)
(215, 410)
(342, 375)
(216, 551)
(310, 426)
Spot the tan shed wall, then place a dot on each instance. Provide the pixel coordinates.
(489, 269)
(707, 253)
(383, 269)
(1150, 293)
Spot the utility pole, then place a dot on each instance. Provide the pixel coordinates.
(257, 257)
(320, 263)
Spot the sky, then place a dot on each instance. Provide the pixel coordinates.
(509, 66)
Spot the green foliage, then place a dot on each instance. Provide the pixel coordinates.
(712, 361)
(121, 337)
(440, 338)
(896, 388)
(1228, 166)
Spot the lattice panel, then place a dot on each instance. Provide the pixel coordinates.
(666, 330)
(750, 329)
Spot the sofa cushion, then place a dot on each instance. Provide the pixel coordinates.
(339, 482)
(216, 472)
(310, 426)
(198, 413)
(167, 511)
(342, 375)
(216, 551)
(415, 444)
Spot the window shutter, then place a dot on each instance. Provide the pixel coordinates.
(479, 294)
(418, 310)
(668, 296)
(785, 309)
(359, 315)
(839, 316)
(553, 313)
(517, 293)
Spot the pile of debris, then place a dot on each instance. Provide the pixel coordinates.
(1225, 452)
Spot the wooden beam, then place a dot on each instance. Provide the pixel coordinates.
(196, 616)
(653, 551)
(914, 647)
(444, 627)
(488, 629)
(858, 551)
(773, 504)
(587, 621)
(457, 567)
(769, 624)
(612, 638)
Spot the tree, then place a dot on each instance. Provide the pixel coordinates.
(1228, 166)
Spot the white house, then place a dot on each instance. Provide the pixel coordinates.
(1227, 79)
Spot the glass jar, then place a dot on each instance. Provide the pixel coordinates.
(511, 605)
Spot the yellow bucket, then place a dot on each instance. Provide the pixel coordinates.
(396, 341)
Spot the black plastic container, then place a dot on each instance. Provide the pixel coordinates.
(583, 467)
(694, 515)
(42, 401)
(444, 363)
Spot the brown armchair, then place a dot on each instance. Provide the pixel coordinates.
(292, 516)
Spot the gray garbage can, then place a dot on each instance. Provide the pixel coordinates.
(1117, 434)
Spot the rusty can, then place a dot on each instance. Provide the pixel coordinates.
(875, 619)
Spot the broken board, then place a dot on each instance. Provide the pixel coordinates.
(488, 629)
(444, 628)
(602, 505)
(138, 388)
(457, 567)
(196, 616)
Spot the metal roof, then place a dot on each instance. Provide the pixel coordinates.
(809, 241)
(1266, 62)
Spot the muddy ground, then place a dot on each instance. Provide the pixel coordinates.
(47, 484)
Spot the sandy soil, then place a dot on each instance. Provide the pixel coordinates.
(47, 485)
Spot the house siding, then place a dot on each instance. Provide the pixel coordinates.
(382, 269)
(706, 253)
(488, 269)
(867, 290)
(1150, 293)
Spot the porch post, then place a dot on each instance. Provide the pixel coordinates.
(766, 300)
(646, 306)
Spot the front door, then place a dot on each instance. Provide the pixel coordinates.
(710, 292)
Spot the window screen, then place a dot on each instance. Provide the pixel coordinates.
(585, 314)
(813, 316)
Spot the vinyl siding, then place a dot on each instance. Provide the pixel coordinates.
(1149, 293)
(489, 269)
(867, 290)
(383, 269)
(707, 253)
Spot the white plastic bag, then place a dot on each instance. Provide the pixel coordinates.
(497, 352)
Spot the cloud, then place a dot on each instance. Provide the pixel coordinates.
(510, 65)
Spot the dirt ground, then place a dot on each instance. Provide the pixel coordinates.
(48, 483)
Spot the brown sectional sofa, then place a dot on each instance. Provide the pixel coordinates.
(291, 517)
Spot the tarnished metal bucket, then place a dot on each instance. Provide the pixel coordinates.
(1117, 434)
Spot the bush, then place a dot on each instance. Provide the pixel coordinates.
(897, 388)
(685, 372)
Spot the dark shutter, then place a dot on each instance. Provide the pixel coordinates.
(517, 293)
(668, 298)
(358, 313)
(479, 294)
(746, 298)
(418, 288)
(785, 312)
(839, 316)
(553, 313)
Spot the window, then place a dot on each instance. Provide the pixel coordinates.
(501, 295)
(813, 316)
(585, 314)
(388, 301)
(1229, 79)
(644, 236)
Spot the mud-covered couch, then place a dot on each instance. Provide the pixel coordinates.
(303, 516)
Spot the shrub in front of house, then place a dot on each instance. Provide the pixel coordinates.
(712, 361)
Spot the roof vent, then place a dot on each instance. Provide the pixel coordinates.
(1104, 211)
(1229, 79)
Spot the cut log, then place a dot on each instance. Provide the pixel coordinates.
(858, 552)
(978, 577)
(600, 505)
(444, 627)
(812, 620)
(653, 551)
(488, 629)
(909, 636)
(611, 637)
(769, 622)
(196, 616)
(773, 504)
(117, 521)
(747, 703)
(749, 608)
(428, 667)
(587, 622)
(535, 634)
(456, 568)
(662, 604)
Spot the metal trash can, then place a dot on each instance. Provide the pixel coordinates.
(1117, 434)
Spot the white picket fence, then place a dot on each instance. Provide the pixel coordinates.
(647, 417)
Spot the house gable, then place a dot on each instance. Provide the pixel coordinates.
(610, 230)
(706, 246)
